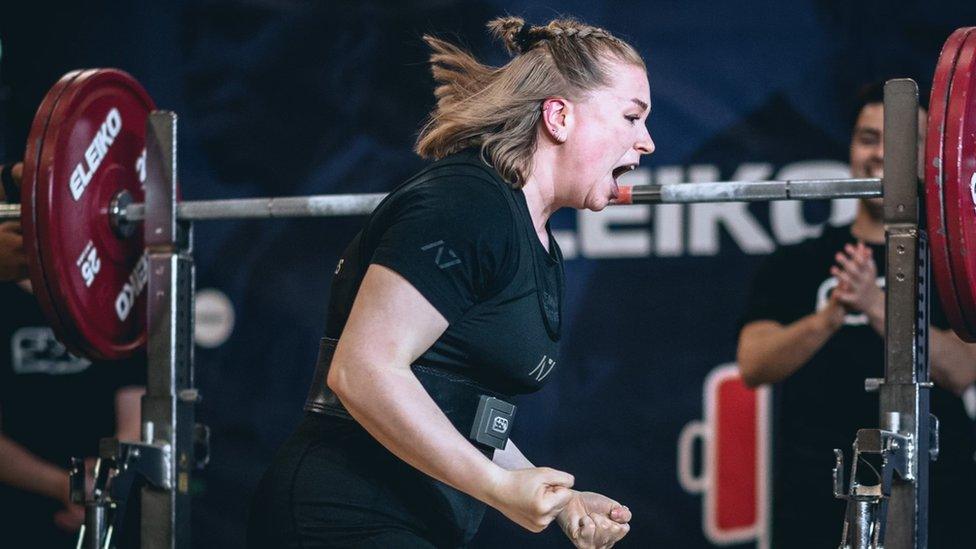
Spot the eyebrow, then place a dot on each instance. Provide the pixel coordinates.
(640, 103)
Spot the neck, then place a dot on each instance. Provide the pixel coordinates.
(540, 190)
(868, 225)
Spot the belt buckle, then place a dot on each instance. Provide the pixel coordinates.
(492, 422)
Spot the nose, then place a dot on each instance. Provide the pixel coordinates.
(645, 145)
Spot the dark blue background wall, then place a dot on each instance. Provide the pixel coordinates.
(290, 97)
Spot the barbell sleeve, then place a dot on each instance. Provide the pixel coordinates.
(9, 212)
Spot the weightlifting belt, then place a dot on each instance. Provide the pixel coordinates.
(474, 410)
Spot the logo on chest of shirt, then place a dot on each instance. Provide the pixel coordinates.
(850, 319)
(34, 350)
(445, 256)
(543, 368)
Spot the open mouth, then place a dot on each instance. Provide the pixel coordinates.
(616, 173)
(620, 170)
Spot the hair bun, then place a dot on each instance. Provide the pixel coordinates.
(513, 33)
(524, 39)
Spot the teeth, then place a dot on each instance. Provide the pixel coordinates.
(620, 170)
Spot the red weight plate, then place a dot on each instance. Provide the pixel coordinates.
(45, 282)
(35, 139)
(92, 150)
(959, 183)
(934, 178)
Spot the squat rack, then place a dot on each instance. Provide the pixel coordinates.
(893, 514)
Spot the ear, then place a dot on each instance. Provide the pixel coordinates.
(556, 118)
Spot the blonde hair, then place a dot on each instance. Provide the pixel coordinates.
(497, 108)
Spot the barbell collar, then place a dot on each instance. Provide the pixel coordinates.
(9, 212)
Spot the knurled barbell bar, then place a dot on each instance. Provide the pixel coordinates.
(122, 210)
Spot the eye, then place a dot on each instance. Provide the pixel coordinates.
(868, 140)
(633, 118)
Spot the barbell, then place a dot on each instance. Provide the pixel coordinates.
(85, 165)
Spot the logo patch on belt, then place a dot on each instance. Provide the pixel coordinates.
(492, 422)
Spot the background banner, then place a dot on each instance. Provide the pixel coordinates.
(294, 97)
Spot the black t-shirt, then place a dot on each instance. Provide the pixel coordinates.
(823, 404)
(464, 239)
(54, 404)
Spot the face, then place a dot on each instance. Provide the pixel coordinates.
(867, 142)
(606, 134)
(867, 145)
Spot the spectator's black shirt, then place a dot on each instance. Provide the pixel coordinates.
(52, 403)
(823, 404)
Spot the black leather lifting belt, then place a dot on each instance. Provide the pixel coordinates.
(476, 411)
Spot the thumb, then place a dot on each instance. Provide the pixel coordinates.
(64, 520)
(865, 250)
(621, 514)
(557, 478)
(558, 497)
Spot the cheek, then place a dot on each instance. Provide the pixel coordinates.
(588, 151)
(595, 133)
(603, 146)
(858, 155)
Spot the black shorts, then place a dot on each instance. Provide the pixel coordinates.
(333, 485)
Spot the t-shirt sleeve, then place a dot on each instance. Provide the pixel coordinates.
(129, 372)
(771, 295)
(452, 238)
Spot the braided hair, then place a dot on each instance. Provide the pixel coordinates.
(497, 108)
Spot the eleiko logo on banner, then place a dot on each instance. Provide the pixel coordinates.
(698, 230)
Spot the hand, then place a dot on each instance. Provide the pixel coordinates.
(72, 515)
(532, 497)
(17, 174)
(857, 289)
(70, 518)
(833, 313)
(13, 261)
(594, 521)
